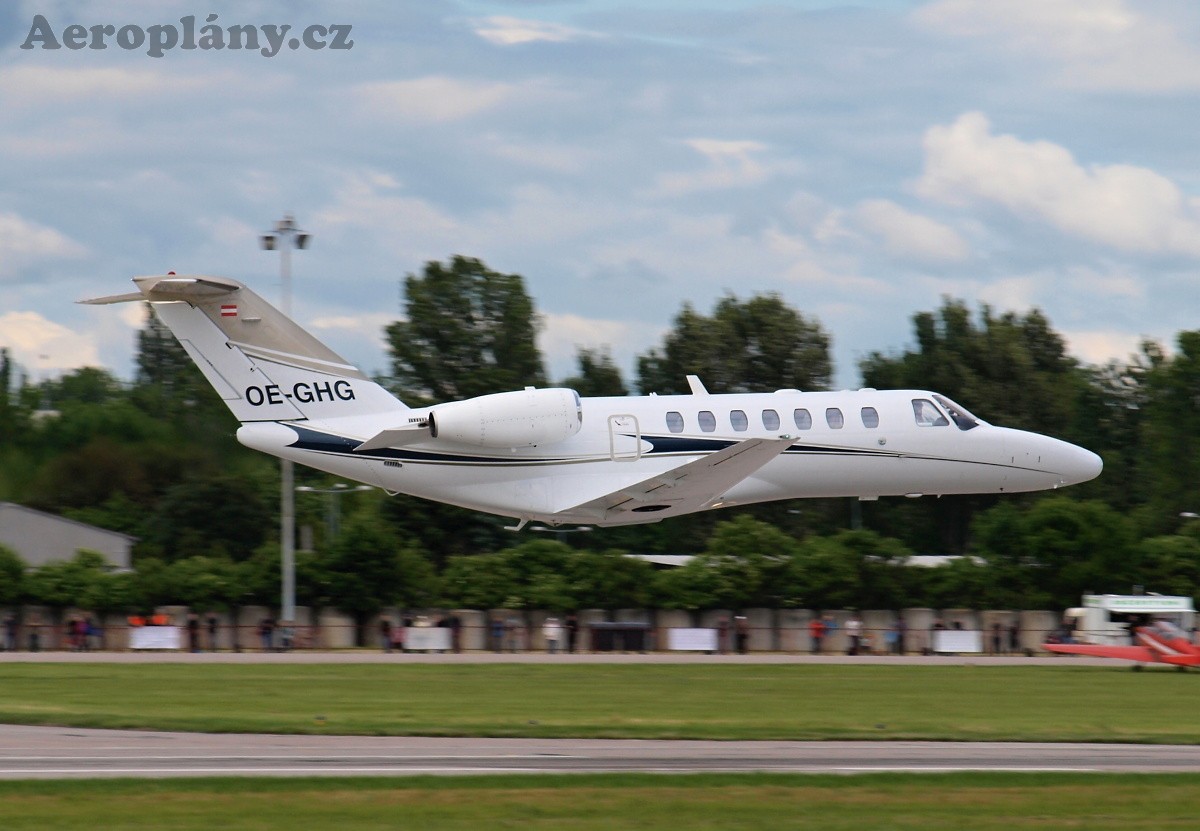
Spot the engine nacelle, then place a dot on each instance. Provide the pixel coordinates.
(526, 418)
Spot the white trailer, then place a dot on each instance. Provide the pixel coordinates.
(1106, 618)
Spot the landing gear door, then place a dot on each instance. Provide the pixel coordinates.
(624, 438)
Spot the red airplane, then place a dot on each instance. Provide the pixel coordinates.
(1161, 642)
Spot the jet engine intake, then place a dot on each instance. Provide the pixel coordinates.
(525, 418)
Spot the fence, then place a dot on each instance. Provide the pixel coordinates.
(752, 630)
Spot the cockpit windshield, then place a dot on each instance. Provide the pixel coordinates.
(959, 415)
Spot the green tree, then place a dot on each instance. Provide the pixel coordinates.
(468, 331)
(12, 577)
(1057, 549)
(1170, 564)
(609, 580)
(369, 568)
(483, 581)
(742, 564)
(850, 570)
(598, 375)
(65, 583)
(217, 516)
(759, 345)
(1171, 437)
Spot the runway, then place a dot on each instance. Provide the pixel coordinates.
(71, 753)
(28, 752)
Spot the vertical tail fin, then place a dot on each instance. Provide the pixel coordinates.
(262, 364)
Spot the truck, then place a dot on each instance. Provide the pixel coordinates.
(1110, 619)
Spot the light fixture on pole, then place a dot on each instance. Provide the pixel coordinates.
(286, 236)
(333, 508)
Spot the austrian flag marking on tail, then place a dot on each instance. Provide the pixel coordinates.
(229, 310)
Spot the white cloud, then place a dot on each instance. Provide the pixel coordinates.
(1126, 207)
(562, 334)
(1089, 282)
(910, 235)
(730, 164)
(1100, 44)
(434, 99)
(375, 203)
(512, 31)
(41, 345)
(23, 243)
(1100, 347)
(35, 86)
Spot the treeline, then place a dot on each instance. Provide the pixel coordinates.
(156, 458)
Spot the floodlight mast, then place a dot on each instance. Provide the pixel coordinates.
(286, 235)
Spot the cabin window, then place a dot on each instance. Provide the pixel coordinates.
(927, 414)
(834, 418)
(675, 422)
(770, 419)
(803, 419)
(708, 421)
(870, 417)
(739, 421)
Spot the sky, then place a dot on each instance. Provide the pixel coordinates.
(864, 161)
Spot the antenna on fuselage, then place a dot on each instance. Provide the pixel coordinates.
(696, 385)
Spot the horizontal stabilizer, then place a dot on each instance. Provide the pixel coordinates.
(396, 436)
(113, 298)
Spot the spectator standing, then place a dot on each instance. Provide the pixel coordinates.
(854, 628)
(497, 634)
(266, 633)
(552, 632)
(10, 632)
(193, 630)
(741, 630)
(816, 633)
(385, 634)
(572, 632)
(212, 631)
(512, 630)
(891, 639)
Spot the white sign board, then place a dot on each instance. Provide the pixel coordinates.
(957, 640)
(427, 638)
(692, 640)
(155, 637)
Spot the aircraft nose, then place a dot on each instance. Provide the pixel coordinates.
(1082, 466)
(1064, 463)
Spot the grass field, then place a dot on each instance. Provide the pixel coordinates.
(932, 802)
(702, 701)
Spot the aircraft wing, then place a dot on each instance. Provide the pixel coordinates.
(690, 487)
(1141, 654)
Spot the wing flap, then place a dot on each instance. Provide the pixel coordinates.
(693, 486)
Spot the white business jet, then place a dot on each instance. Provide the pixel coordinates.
(551, 456)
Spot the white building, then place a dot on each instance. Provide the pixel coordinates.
(39, 538)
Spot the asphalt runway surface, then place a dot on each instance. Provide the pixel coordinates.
(67, 753)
